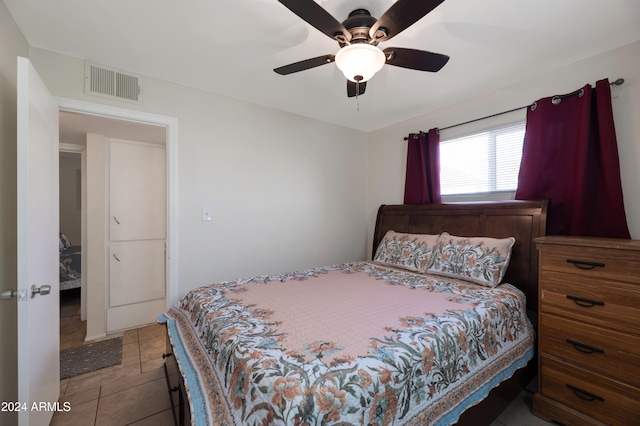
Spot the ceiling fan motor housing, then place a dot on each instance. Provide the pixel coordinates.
(358, 24)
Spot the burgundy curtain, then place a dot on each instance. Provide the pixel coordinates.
(422, 182)
(570, 156)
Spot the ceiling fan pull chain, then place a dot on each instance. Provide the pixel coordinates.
(357, 97)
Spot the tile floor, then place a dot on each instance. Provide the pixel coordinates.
(135, 392)
(132, 393)
(519, 413)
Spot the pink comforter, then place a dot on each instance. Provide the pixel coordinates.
(356, 343)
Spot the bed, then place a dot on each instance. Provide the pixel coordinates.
(417, 336)
(69, 264)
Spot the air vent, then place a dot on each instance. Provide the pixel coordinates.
(111, 83)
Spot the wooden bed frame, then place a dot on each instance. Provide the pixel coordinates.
(524, 220)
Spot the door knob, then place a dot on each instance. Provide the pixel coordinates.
(42, 290)
(8, 294)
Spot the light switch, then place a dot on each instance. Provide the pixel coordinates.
(206, 214)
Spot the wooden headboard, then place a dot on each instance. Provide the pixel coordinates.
(523, 220)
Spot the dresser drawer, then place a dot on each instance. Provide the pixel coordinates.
(609, 304)
(603, 351)
(604, 399)
(597, 262)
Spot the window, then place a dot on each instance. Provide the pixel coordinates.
(482, 162)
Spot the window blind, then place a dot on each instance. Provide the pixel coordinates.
(482, 162)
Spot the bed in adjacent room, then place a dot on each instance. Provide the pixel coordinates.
(69, 264)
(433, 330)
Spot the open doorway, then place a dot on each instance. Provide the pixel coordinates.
(77, 119)
(72, 322)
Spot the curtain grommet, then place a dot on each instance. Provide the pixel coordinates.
(556, 100)
(534, 106)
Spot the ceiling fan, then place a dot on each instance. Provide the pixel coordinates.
(359, 58)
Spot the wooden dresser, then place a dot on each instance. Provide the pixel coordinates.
(589, 331)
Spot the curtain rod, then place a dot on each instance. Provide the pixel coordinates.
(618, 82)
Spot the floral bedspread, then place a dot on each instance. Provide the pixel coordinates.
(356, 343)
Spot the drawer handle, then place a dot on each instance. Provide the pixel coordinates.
(584, 264)
(584, 395)
(587, 349)
(585, 303)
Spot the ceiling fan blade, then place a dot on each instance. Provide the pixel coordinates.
(414, 59)
(317, 17)
(355, 89)
(400, 16)
(305, 65)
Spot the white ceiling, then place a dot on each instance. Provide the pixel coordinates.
(231, 47)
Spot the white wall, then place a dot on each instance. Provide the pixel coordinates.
(12, 45)
(388, 150)
(286, 192)
(70, 212)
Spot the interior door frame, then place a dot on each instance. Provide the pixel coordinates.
(171, 125)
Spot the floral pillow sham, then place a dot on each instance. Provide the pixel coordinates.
(481, 260)
(407, 251)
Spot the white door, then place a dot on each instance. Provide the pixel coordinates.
(137, 191)
(137, 233)
(38, 314)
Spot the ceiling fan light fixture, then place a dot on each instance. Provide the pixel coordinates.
(359, 61)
